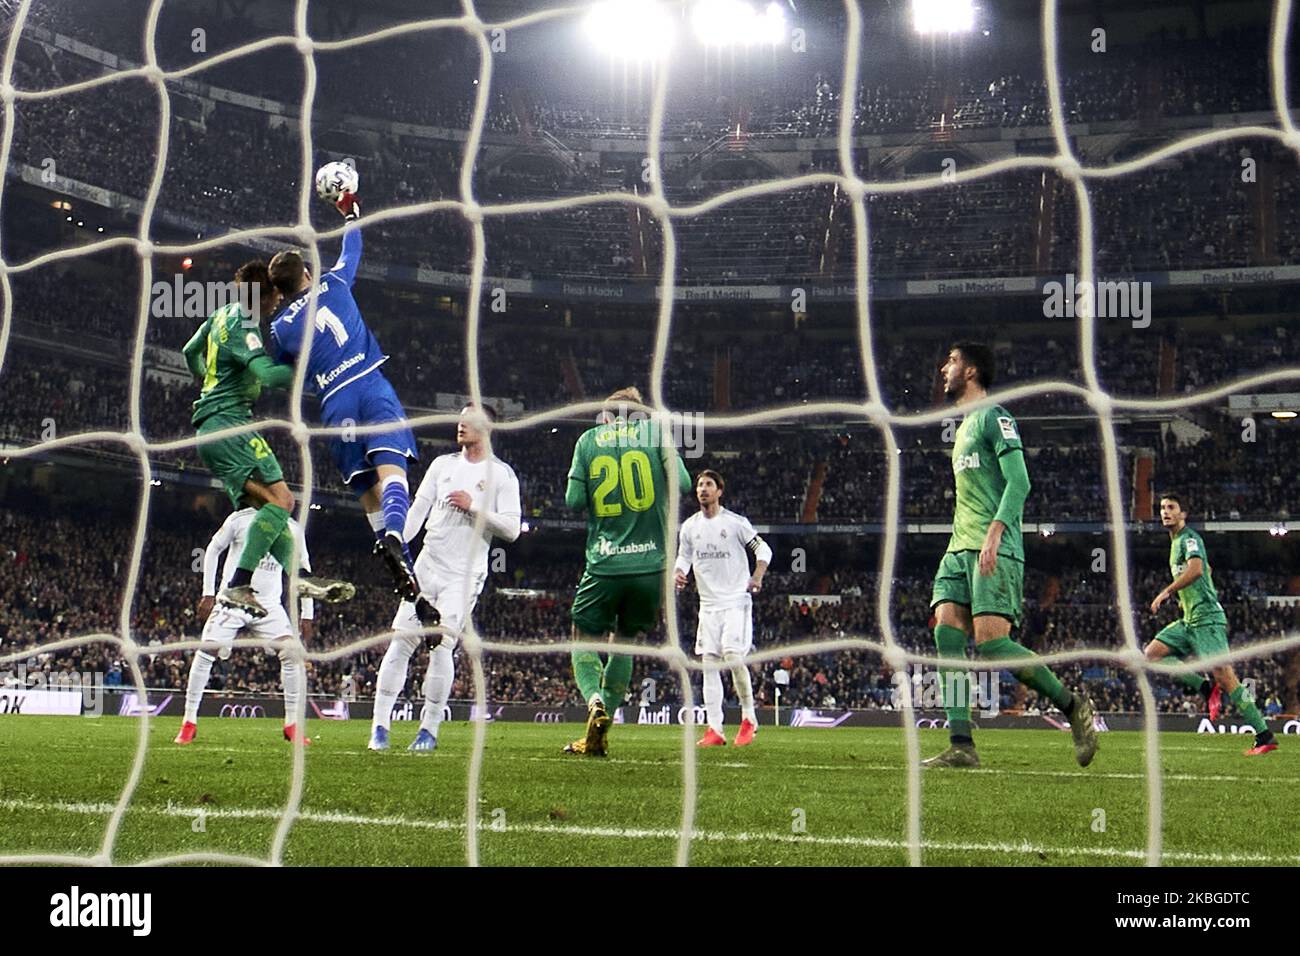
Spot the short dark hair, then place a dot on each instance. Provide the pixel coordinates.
(1172, 496)
(710, 473)
(488, 411)
(980, 356)
(287, 270)
(254, 273)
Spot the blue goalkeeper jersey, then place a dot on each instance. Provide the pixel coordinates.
(343, 348)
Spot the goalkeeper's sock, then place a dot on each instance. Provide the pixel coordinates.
(392, 678)
(618, 674)
(376, 519)
(200, 670)
(396, 500)
(437, 687)
(291, 679)
(1034, 676)
(713, 694)
(744, 686)
(267, 525)
(1245, 704)
(587, 672)
(955, 690)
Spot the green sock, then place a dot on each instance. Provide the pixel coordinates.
(268, 524)
(618, 674)
(1246, 705)
(1193, 682)
(955, 689)
(587, 672)
(1035, 676)
(282, 548)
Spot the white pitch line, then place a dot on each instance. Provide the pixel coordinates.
(648, 833)
(812, 767)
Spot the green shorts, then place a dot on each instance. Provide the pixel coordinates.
(959, 580)
(627, 604)
(236, 459)
(1194, 640)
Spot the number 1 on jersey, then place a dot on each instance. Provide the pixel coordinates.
(326, 319)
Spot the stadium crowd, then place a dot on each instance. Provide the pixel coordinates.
(49, 591)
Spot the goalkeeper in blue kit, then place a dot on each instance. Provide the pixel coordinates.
(343, 369)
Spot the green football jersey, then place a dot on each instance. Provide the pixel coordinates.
(1200, 601)
(228, 345)
(621, 466)
(982, 438)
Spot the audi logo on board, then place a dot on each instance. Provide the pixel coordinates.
(242, 710)
(548, 717)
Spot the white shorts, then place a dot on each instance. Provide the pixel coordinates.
(728, 630)
(446, 592)
(225, 623)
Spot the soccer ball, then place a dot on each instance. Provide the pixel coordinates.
(334, 179)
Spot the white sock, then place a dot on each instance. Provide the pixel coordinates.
(437, 687)
(713, 694)
(291, 679)
(376, 519)
(744, 688)
(200, 670)
(392, 678)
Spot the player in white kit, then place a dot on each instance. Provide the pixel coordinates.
(716, 543)
(223, 624)
(451, 569)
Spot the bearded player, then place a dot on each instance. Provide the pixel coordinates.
(223, 624)
(716, 543)
(980, 582)
(227, 355)
(452, 568)
(1203, 630)
(619, 475)
(343, 370)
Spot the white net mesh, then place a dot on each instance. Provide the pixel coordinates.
(1064, 163)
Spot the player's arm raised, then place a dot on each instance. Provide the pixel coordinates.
(1194, 569)
(350, 256)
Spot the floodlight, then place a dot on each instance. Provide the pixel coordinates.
(943, 16)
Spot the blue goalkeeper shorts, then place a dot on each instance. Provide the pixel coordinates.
(370, 400)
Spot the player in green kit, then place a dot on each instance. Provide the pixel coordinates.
(979, 588)
(226, 353)
(620, 476)
(1203, 630)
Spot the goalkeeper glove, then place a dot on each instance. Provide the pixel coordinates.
(349, 206)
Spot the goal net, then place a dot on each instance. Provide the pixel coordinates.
(654, 202)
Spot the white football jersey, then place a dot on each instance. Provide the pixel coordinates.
(716, 549)
(449, 539)
(230, 538)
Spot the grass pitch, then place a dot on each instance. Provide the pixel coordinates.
(796, 797)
